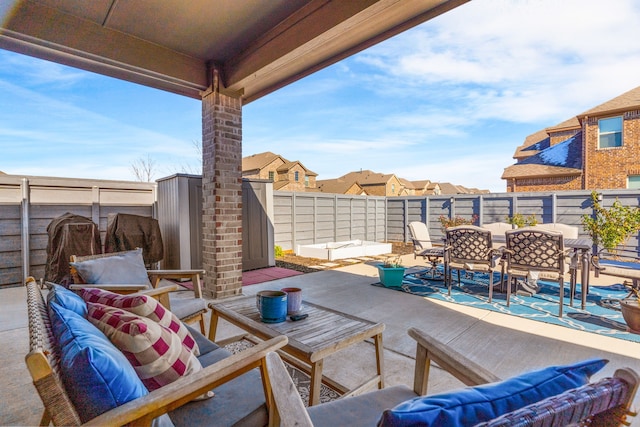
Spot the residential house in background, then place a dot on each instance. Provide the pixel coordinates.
(379, 184)
(598, 149)
(286, 175)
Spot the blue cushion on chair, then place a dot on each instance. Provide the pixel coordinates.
(481, 403)
(97, 376)
(67, 299)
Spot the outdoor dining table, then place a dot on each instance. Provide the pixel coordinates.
(582, 248)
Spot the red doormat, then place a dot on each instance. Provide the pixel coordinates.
(267, 274)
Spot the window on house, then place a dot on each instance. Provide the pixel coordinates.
(296, 176)
(272, 175)
(393, 189)
(610, 132)
(306, 181)
(633, 182)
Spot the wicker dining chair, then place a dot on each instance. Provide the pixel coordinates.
(469, 248)
(533, 253)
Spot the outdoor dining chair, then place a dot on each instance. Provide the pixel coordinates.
(469, 248)
(423, 246)
(532, 254)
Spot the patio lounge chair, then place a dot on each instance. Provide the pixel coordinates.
(125, 272)
(605, 402)
(423, 246)
(107, 390)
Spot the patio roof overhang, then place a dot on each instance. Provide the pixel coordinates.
(255, 46)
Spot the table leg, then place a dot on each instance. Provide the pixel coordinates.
(213, 326)
(316, 381)
(585, 277)
(380, 359)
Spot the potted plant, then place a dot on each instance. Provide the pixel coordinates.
(611, 227)
(391, 272)
(630, 308)
(520, 220)
(447, 222)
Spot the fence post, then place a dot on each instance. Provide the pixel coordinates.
(293, 221)
(95, 205)
(405, 218)
(480, 210)
(554, 207)
(25, 204)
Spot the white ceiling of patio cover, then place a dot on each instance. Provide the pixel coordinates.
(258, 45)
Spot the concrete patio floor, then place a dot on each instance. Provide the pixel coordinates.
(506, 345)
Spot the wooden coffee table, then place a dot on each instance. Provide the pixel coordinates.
(321, 334)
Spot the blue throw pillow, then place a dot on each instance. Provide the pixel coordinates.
(482, 403)
(96, 375)
(67, 299)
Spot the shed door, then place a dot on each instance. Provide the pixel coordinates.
(255, 226)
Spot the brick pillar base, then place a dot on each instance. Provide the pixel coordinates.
(222, 194)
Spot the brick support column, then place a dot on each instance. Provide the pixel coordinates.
(222, 194)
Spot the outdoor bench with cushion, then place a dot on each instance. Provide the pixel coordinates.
(82, 378)
(553, 396)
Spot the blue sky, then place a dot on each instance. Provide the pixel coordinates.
(449, 100)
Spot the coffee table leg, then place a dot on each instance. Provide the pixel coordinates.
(316, 381)
(380, 360)
(213, 325)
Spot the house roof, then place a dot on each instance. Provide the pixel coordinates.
(449, 188)
(247, 48)
(258, 161)
(627, 101)
(572, 123)
(424, 184)
(336, 186)
(532, 144)
(367, 177)
(407, 184)
(564, 158)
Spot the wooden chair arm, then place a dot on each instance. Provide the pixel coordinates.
(287, 408)
(194, 275)
(113, 287)
(143, 410)
(430, 349)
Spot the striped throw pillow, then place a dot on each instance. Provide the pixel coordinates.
(145, 306)
(155, 352)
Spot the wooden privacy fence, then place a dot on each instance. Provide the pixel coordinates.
(309, 218)
(28, 204)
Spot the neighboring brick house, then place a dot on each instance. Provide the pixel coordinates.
(373, 184)
(286, 175)
(598, 149)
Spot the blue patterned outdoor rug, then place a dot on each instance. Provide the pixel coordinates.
(601, 316)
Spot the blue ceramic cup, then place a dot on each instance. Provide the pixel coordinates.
(272, 306)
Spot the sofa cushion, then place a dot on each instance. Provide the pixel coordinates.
(485, 402)
(122, 268)
(361, 410)
(95, 373)
(145, 306)
(156, 352)
(67, 299)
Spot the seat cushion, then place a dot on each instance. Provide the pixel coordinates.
(362, 410)
(67, 299)
(156, 352)
(485, 402)
(95, 373)
(240, 402)
(121, 268)
(183, 304)
(143, 305)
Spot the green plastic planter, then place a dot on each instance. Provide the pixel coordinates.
(391, 276)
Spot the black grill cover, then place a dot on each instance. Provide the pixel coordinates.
(69, 234)
(126, 232)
